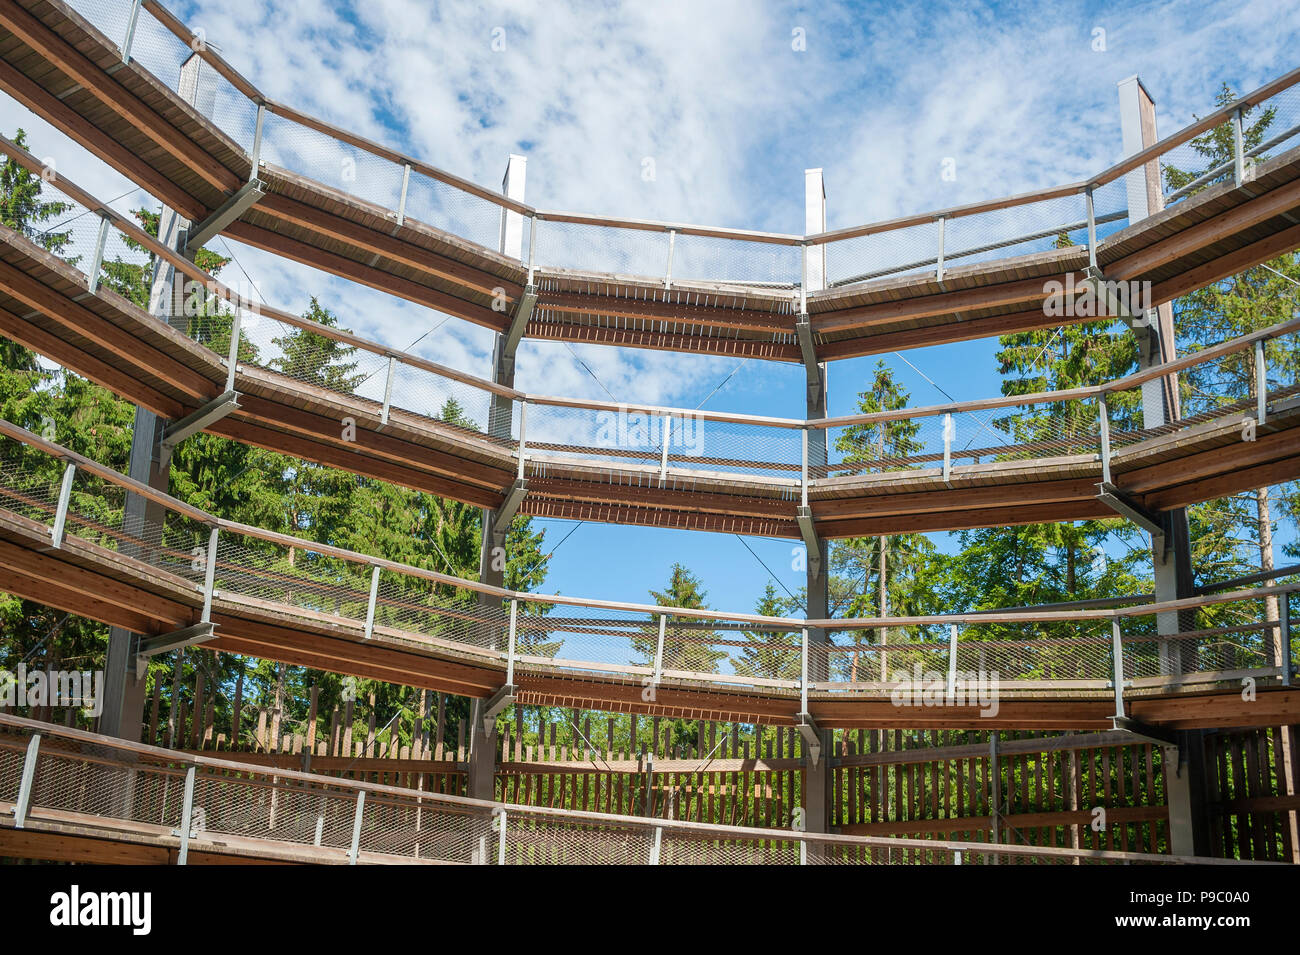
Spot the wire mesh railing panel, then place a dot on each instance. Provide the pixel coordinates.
(161, 52)
(1014, 230)
(95, 785)
(109, 17)
(638, 439)
(678, 848)
(404, 827)
(898, 252)
(760, 653)
(29, 490)
(450, 614)
(331, 162)
(463, 214)
(1037, 658)
(13, 754)
(618, 640)
(736, 261)
(264, 808)
(305, 355)
(424, 393)
(531, 840)
(299, 578)
(590, 248)
(67, 229)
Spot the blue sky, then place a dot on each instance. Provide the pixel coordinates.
(731, 114)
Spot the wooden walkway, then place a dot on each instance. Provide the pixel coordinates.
(70, 74)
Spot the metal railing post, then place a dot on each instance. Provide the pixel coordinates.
(803, 671)
(1117, 654)
(659, 649)
(401, 202)
(388, 390)
(672, 245)
(256, 155)
(355, 849)
(510, 645)
(97, 257)
(187, 814)
(663, 457)
(1092, 228)
(803, 471)
(372, 601)
(523, 427)
(1238, 149)
(938, 272)
(952, 660)
(956, 857)
(803, 280)
(532, 245)
(1103, 421)
(209, 576)
(232, 353)
(61, 511)
(129, 38)
(656, 849)
(501, 836)
(1261, 383)
(948, 430)
(24, 801)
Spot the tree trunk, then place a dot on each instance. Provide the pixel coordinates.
(1279, 656)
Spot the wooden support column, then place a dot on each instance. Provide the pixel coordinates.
(817, 788)
(124, 695)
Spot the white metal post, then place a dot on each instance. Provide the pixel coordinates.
(28, 781)
(401, 202)
(803, 470)
(532, 245)
(947, 447)
(209, 576)
(1261, 382)
(657, 848)
(1092, 228)
(97, 257)
(370, 604)
(129, 39)
(803, 671)
(61, 511)
(1117, 653)
(510, 646)
(663, 458)
(659, 649)
(938, 272)
(187, 813)
(1238, 149)
(256, 157)
(355, 849)
(1103, 420)
(501, 837)
(232, 354)
(952, 659)
(388, 390)
(672, 245)
(523, 425)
